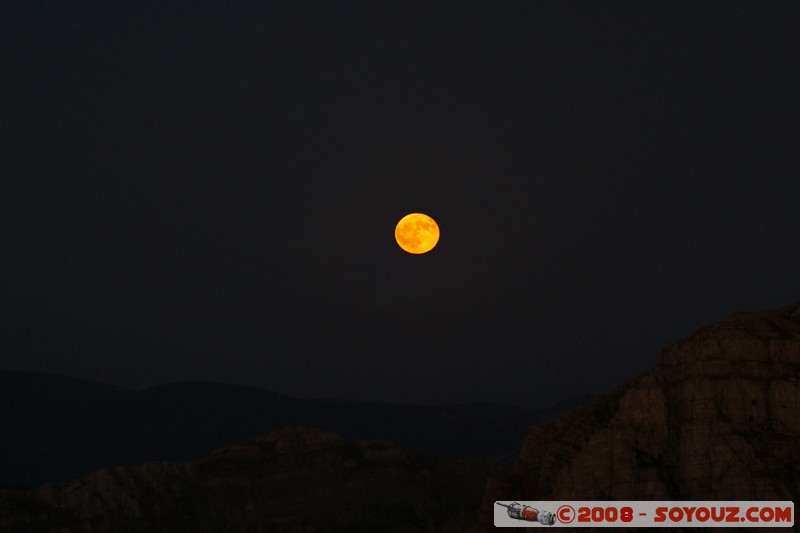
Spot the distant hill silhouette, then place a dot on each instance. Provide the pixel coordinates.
(56, 428)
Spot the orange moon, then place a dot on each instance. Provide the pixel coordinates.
(416, 233)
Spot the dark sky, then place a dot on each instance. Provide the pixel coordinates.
(211, 193)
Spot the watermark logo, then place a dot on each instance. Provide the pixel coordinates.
(517, 511)
(645, 513)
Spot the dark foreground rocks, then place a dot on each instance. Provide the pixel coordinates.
(717, 419)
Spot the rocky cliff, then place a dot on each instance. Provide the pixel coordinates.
(717, 419)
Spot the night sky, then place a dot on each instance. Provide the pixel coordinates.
(210, 193)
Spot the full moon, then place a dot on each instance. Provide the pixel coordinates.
(416, 233)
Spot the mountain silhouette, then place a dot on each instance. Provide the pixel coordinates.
(60, 428)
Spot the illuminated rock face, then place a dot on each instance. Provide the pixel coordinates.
(717, 419)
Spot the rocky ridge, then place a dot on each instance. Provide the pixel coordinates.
(295, 479)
